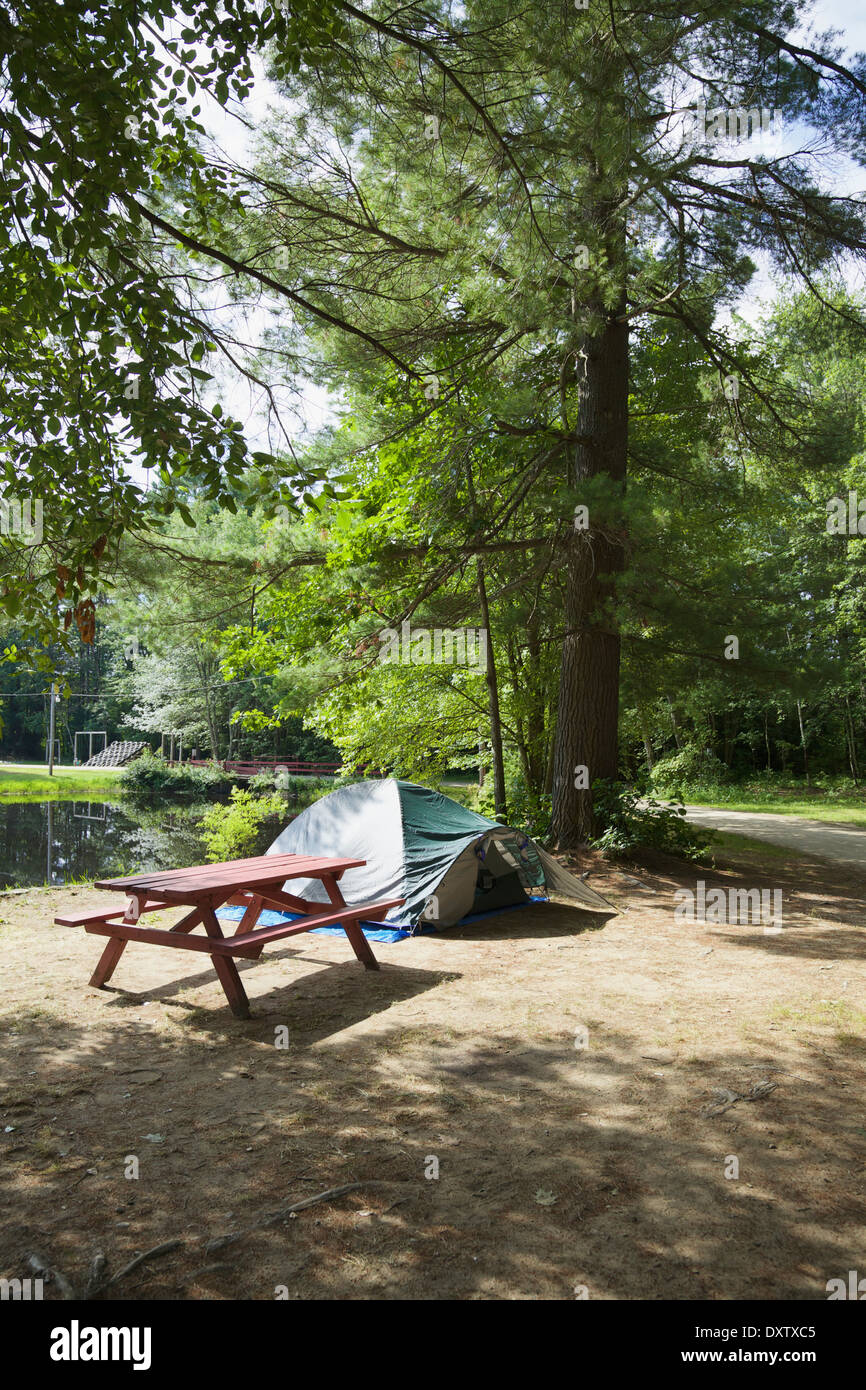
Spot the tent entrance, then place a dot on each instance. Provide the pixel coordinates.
(499, 870)
(493, 893)
(499, 882)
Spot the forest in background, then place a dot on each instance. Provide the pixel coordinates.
(254, 635)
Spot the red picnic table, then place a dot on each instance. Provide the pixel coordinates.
(255, 884)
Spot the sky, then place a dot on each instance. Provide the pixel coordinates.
(849, 17)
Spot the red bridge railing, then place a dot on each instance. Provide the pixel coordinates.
(248, 767)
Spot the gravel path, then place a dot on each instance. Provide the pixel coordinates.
(841, 844)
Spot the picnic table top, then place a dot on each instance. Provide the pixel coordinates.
(234, 873)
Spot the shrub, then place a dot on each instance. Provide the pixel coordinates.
(150, 778)
(628, 822)
(262, 783)
(236, 831)
(689, 767)
(527, 811)
(300, 791)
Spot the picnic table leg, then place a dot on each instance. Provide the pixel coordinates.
(114, 950)
(107, 962)
(225, 967)
(354, 931)
(247, 922)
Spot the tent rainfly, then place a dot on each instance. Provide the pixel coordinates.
(446, 861)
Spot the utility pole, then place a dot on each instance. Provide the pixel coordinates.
(52, 698)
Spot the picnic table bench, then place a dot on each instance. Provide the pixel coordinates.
(255, 884)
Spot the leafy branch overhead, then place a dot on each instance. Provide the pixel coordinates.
(101, 385)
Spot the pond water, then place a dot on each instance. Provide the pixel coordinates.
(60, 841)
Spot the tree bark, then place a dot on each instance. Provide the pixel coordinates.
(803, 743)
(587, 719)
(202, 668)
(852, 744)
(674, 725)
(647, 740)
(727, 741)
(528, 731)
(499, 802)
(536, 731)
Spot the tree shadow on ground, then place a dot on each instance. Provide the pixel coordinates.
(314, 1006)
(837, 944)
(547, 920)
(557, 1168)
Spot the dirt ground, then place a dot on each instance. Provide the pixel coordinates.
(564, 1170)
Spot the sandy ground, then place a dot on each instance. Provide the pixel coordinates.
(564, 1169)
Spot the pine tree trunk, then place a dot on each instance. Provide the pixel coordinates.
(517, 723)
(803, 744)
(499, 802)
(587, 719)
(536, 732)
(852, 743)
(647, 741)
(209, 718)
(548, 766)
(674, 725)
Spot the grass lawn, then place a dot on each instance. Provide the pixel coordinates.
(724, 845)
(31, 782)
(850, 810)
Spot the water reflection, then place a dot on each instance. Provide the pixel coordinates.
(59, 841)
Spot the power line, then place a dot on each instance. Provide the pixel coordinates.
(189, 690)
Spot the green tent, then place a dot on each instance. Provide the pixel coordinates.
(446, 861)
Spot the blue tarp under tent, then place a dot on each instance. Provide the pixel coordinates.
(449, 863)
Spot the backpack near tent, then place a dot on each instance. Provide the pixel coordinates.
(446, 861)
